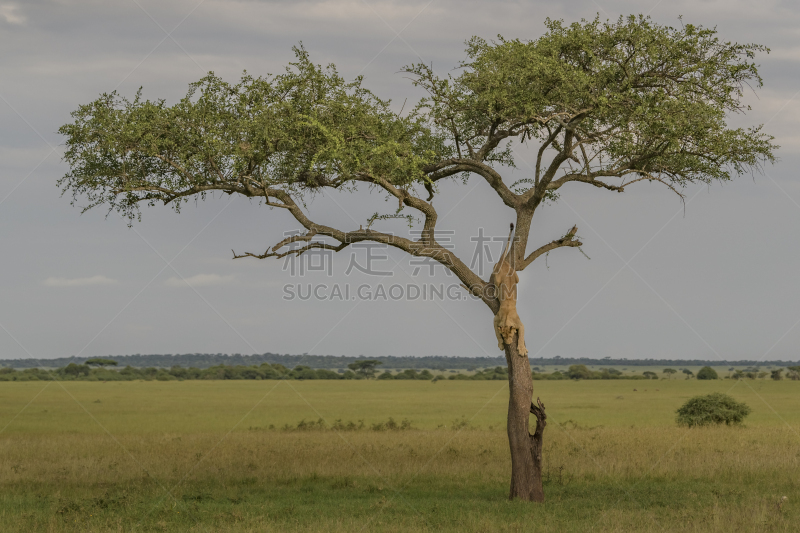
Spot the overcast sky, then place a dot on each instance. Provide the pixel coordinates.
(718, 282)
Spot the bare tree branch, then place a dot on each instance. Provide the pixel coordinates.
(406, 198)
(567, 240)
(295, 251)
(493, 178)
(591, 179)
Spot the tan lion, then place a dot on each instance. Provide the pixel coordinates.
(507, 321)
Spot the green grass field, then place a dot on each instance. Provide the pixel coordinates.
(212, 456)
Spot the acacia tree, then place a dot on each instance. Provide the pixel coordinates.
(365, 367)
(606, 104)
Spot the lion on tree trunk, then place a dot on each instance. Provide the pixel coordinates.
(507, 321)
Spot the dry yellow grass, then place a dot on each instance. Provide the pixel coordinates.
(157, 468)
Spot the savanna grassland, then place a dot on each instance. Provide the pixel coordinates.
(228, 456)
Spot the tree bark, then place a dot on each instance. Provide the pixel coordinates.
(526, 449)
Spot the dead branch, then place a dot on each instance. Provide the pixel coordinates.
(537, 410)
(567, 240)
(296, 251)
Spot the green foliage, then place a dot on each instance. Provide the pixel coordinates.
(639, 97)
(365, 367)
(642, 101)
(410, 373)
(300, 372)
(297, 131)
(498, 373)
(29, 374)
(707, 373)
(99, 361)
(76, 370)
(582, 372)
(715, 408)
(777, 374)
(579, 372)
(433, 362)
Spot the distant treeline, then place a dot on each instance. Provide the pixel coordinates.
(266, 371)
(76, 372)
(431, 362)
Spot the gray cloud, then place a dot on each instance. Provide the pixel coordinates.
(199, 280)
(79, 282)
(11, 14)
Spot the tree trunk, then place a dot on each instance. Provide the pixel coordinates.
(526, 449)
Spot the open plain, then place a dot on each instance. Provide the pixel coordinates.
(325, 456)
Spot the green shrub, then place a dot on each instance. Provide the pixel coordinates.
(76, 370)
(715, 408)
(707, 373)
(579, 372)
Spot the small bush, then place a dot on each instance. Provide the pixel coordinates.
(461, 423)
(349, 426)
(306, 426)
(715, 408)
(391, 425)
(707, 373)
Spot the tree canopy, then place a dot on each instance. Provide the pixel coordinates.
(607, 104)
(365, 367)
(629, 100)
(707, 373)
